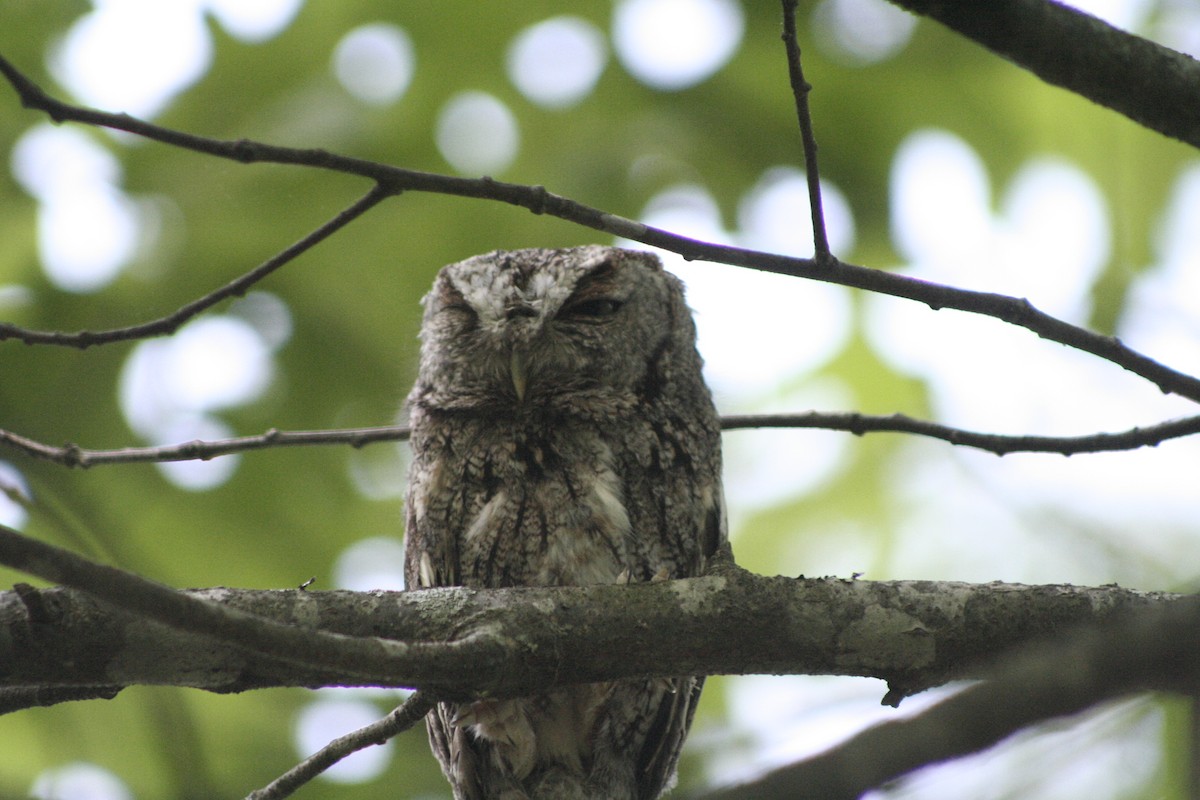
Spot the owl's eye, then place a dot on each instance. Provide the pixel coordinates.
(461, 309)
(597, 308)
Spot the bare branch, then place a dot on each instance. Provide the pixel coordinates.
(999, 444)
(170, 323)
(1013, 310)
(403, 717)
(1152, 85)
(72, 455)
(800, 91)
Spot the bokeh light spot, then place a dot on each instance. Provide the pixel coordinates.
(861, 32)
(268, 315)
(555, 63)
(1163, 315)
(49, 161)
(1054, 238)
(79, 781)
(375, 62)
(673, 44)
(133, 56)
(326, 719)
(477, 134)
(369, 564)
(940, 199)
(775, 215)
(169, 389)
(12, 513)
(742, 315)
(88, 230)
(254, 20)
(215, 363)
(86, 237)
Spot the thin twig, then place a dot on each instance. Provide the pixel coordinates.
(170, 323)
(800, 90)
(1013, 310)
(72, 455)
(999, 444)
(401, 718)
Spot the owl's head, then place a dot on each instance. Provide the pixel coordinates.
(593, 329)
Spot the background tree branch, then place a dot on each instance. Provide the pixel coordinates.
(72, 455)
(393, 180)
(1152, 85)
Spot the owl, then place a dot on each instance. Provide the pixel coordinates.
(562, 435)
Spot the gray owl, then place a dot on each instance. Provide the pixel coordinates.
(562, 435)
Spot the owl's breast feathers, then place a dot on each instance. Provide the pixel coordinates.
(554, 504)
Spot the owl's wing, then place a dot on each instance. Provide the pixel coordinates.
(695, 493)
(664, 740)
(431, 560)
(430, 546)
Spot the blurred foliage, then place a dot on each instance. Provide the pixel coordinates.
(287, 514)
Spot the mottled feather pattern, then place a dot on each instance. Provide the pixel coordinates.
(562, 435)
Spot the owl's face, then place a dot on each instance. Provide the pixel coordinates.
(528, 328)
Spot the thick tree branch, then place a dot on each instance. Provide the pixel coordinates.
(391, 180)
(460, 642)
(366, 658)
(1152, 648)
(1152, 85)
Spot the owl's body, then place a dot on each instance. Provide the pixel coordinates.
(562, 435)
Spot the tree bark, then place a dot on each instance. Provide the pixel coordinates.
(460, 642)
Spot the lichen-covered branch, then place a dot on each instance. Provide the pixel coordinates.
(914, 634)
(459, 643)
(1155, 647)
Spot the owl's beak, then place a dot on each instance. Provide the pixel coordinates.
(517, 369)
